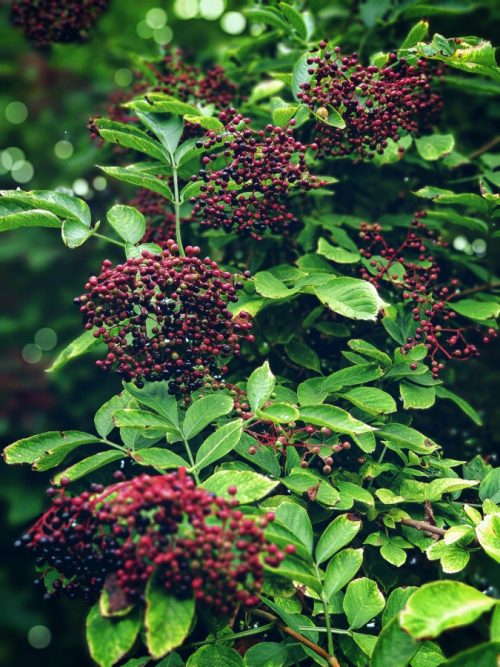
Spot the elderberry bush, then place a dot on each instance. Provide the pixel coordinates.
(296, 306)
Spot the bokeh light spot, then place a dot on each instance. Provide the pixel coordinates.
(63, 149)
(211, 10)
(16, 112)
(233, 23)
(23, 171)
(123, 77)
(186, 9)
(156, 18)
(31, 354)
(39, 636)
(46, 339)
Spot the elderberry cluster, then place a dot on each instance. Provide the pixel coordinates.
(412, 268)
(49, 21)
(376, 103)
(249, 193)
(160, 222)
(165, 317)
(115, 538)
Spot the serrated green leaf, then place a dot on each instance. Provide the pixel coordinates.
(128, 222)
(336, 419)
(81, 345)
(204, 411)
(250, 486)
(340, 532)
(219, 444)
(371, 400)
(109, 639)
(88, 465)
(362, 602)
(260, 386)
(167, 619)
(351, 297)
(434, 146)
(29, 450)
(341, 569)
(442, 605)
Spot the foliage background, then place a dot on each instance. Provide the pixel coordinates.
(39, 277)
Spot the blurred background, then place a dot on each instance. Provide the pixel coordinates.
(46, 99)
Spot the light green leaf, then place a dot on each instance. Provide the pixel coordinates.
(81, 345)
(269, 654)
(267, 285)
(74, 233)
(337, 254)
(341, 569)
(442, 196)
(219, 444)
(336, 419)
(167, 619)
(250, 486)
(284, 114)
(371, 400)
(393, 554)
(60, 204)
(128, 222)
(416, 34)
(362, 602)
(416, 396)
(476, 310)
(442, 605)
(206, 122)
(109, 639)
(88, 465)
(28, 450)
(103, 418)
(33, 218)
(295, 518)
(140, 179)
(141, 419)
(157, 102)
(265, 89)
(279, 413)
(310, 392)
(407, 437)
(340, 532)
(488, 535)
(204, 411)
(313, 486)
(156, 457)
(214, 655)
(155, 396)
(351, 297)
(434, 146)
(260, 386)
(394, 646)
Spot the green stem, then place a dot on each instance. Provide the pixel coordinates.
(328, 621)
(191, 459)
(177, 209)
(106, 238)
(237, 635)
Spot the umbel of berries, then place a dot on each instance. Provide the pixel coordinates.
(376, 103)
(250, 193)
(165, 317)
(48, 21)
(116, 538)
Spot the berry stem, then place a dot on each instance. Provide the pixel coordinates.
(177, 209)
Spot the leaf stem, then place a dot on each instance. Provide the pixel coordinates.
(108, 239)
(177, 209)
(191, 459)
(236, 635)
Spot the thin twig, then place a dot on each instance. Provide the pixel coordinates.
(425, 526)
(330, 659)
(484, 149)
(473, 290)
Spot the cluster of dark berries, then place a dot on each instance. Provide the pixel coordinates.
(165, 317)
(249, 193)
(116, 538)
(48, 21)
(376, 103)
(412, 268)
(173, 75)
(160, 222)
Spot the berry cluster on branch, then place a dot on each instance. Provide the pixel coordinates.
(412, 268)
(376, 103)
(52, 21)
(166, 317)
(115, 538)
(248, 195)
